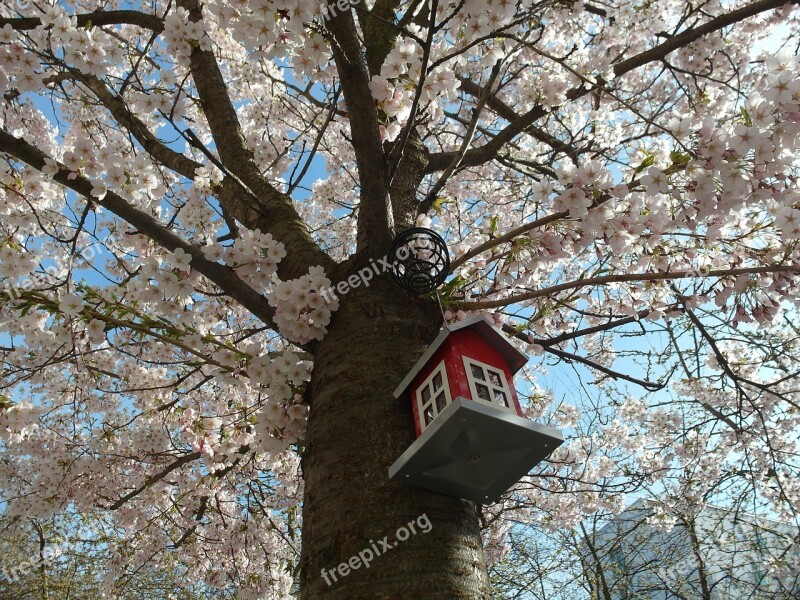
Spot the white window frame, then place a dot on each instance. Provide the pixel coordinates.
(428, 383)
(493, 388)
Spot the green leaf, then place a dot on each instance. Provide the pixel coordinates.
(679, 158)
(646, 163)
(439, 204)
(746, 118)
(451, 286)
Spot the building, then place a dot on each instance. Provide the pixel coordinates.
(719, 553)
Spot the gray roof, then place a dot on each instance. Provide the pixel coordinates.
(475, 451)
(481, 325)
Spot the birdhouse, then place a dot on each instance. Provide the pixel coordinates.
(472, 440)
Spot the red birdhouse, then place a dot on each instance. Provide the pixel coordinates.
(472, 440)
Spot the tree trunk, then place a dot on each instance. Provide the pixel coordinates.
(356, 430)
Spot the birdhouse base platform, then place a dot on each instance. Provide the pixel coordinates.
(474, 451)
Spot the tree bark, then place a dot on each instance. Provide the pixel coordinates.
(356, 430)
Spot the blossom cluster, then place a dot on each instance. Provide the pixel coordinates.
(254, 255)
(302, 311)
(18, 421)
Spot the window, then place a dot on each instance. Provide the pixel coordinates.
(488, 384)
(433, 395)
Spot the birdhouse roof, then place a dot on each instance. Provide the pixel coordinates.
(483, 327)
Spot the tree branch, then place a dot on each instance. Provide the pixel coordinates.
(97, 18)
(564, 337)
(380, 32)
(183, 460)
(682, 40)
(276, 213)
(568, 356)
(480, 155)
(375, 215)
(458, 158)
(509, 114)
(176, 161)
(619, 278)
(507, 237)
(221, 275)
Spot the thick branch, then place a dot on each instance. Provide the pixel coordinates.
(687, 37)
(509, 114)
(221, 275)
(483, 154)
(97, 18)
(275, 212)
(380, 32)
(619, 278)
(153, 146)
(375, 216)
(235, 197)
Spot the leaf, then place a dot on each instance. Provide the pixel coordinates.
(746, 118)
(647, 162)
(439, 204)
(679, 158)
(5, 403)
(451, 286)
(522, 241)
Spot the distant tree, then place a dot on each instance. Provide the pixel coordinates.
(68, 558)
(717, 554)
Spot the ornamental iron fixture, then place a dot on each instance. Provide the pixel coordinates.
(420, 261)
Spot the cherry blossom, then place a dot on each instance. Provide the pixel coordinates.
(182, 181)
